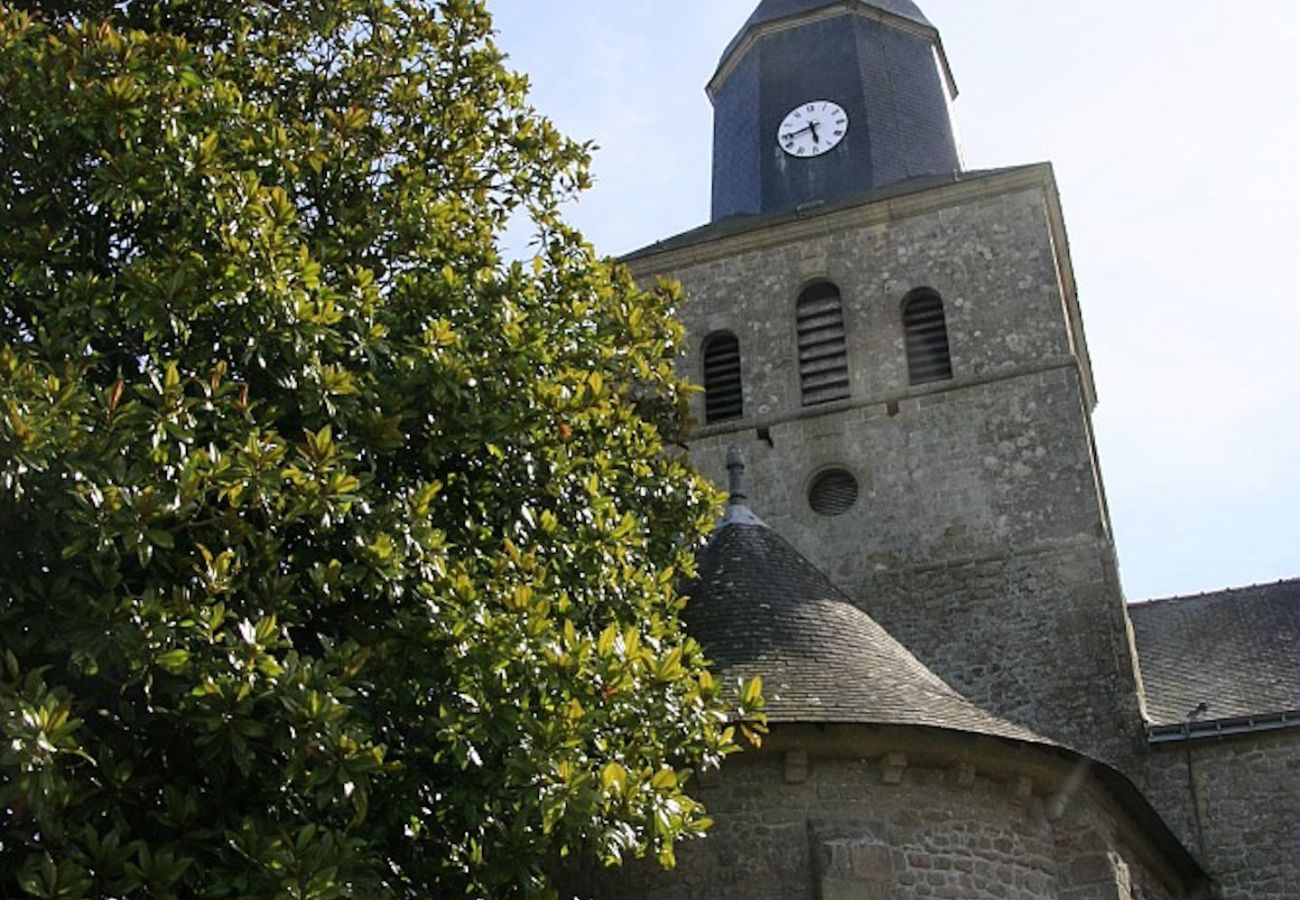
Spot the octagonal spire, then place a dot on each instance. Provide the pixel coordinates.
(773, 15)
(819, 101)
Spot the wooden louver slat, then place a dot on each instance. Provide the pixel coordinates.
(723, 391)
(823, 345)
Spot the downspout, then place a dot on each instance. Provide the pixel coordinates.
(1192, 787)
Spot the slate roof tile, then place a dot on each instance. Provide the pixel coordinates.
(1236, 651)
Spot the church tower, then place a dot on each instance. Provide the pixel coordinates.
(896, 343)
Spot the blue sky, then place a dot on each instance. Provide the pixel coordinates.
(1174, 126)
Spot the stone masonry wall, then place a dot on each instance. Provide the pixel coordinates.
(1248, 793)
(889, 827)
(1025, 634)
(965, 472)
(980, 536)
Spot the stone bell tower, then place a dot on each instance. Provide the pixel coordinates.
(897, 345)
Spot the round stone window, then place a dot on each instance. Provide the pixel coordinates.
(833, 492)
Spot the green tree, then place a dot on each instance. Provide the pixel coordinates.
(338, 555)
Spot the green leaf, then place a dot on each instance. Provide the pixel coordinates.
(174, 661)
(613, 776)
(664, 780)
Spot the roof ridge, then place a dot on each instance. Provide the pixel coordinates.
(1222, 592)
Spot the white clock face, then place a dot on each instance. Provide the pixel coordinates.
(813, 128)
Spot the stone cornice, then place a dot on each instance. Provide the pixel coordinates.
(1058, 776)
(878, 406)
(823, 221)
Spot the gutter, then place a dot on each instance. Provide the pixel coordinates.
(1222, 728)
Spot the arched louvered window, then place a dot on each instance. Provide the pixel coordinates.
(928, 356)
(823, 351)
(723, 396)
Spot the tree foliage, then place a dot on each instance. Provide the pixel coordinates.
(338, 556)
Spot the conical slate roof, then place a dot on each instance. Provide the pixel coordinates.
(772, 10)
(761, 608)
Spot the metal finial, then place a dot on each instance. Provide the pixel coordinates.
(736, 473)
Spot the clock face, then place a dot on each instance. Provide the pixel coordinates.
(813, 128)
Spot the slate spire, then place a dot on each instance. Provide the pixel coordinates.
(738, 511)
(875, 73)
(776, 10)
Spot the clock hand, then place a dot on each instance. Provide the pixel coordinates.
(793, 134)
